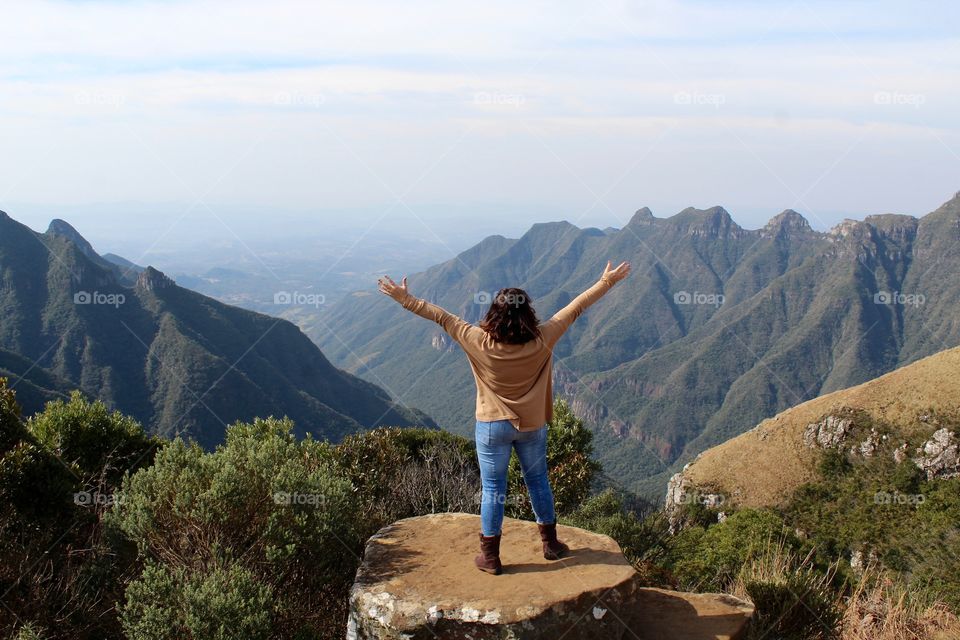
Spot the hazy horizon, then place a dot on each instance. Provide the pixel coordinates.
(142, 232)
(169, 123)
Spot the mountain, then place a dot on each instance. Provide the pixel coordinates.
(178, 361)
(63, 229)
(123, 263)
(35, 386)
(718, 327)
(764, 466)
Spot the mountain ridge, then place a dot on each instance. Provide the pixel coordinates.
(176, 360)
(716, 329)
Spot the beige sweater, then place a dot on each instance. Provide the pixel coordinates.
(514, 381)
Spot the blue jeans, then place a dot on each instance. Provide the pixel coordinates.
(495, 441)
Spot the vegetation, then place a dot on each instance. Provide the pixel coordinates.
(884, 512)
(868, 549)
(261, 534)
(259, 538)
(110, 533)
(60, 566)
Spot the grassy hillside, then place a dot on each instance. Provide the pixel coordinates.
(765, 466)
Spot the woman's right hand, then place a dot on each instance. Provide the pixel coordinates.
(616, 275)
(396, 291)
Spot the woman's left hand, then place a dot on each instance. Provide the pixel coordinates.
(396, 291)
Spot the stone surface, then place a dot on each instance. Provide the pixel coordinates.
(417, 580)
(829, 433)
(940, 455)
(681, 491)
(659, 614)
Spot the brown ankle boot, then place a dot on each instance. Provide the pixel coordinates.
(489, 558)
(553, 549)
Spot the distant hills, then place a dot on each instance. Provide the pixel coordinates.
(718, 328)
(178, 361)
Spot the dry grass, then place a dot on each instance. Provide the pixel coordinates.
(763, 466)
(878, 608)
(773, 565)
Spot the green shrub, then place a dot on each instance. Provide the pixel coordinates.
(214, 604)
(640, 538)
(399, 473)
(710, 558)
(96, 441)
(570, 468)
(372, 461)
(833, 463)
(263, 507)
(11, 428)
(59, 566)
(34, 485)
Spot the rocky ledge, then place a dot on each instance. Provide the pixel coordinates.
(417, 580)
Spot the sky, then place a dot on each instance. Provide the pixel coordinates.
(171, 120)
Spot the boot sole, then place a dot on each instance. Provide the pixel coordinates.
(494, 572)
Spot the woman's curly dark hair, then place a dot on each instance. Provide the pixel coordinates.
(511, 318)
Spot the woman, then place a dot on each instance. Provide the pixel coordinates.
(511, 355)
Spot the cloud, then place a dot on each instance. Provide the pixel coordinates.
(343, 103)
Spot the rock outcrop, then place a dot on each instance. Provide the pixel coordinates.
(417, 581)
(681, 491)
(939, 457)
(829, 433)
(151, 279)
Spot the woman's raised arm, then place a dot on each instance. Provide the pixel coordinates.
(554, 328)
(457, 327)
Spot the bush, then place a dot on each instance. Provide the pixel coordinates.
(59, 566)
(11, 428)
(641, 536)
(217, 604)
(264, 509)
(99, 443)
(399, 473)
(709, 559)
(569, 466)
